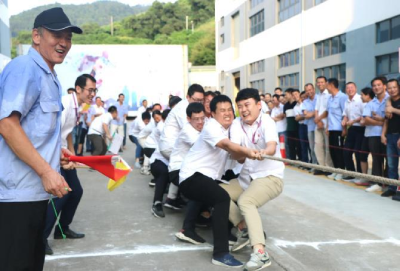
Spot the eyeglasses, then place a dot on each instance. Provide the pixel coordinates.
(91, 90)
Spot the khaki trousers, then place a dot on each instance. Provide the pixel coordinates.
(248, 201)
(322, 148)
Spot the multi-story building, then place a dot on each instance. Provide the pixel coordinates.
(5, 43)
(287, 43)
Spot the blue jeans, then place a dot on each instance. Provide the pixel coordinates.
(138, 147)
(303, 136)
(393, 153)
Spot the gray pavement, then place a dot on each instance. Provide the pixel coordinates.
(316, 224)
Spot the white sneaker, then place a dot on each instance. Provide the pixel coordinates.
(332, 176)
(338, 177)
(374, 188)
(257, 261)
(242, 240)
(145, 171)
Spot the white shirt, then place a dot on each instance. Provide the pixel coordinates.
(204, 156)
(158, 156)
(353, 109)
(146, 131)
(153, 139)
(298, 110)
(96, 128)
(141, 110)
(281, 124)
(173, 125)
(136, 126)
(264, 107)
(187, 137)
(322, 104)
(98, 110)
(263, 131)
(69, 117)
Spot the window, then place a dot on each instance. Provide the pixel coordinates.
(257, 67)
(289, 80)
(387, 64)
(258, 84)
(289, 59)
(317, 2)
(288, 8)
(222, 21)
(222, 39)
(388, 30)
(254, 3)
(337, 71)
(257, 23)
(330, 46)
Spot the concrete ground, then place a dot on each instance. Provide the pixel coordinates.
(316, 224)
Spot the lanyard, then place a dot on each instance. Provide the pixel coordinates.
(255, 132)
(77, 115)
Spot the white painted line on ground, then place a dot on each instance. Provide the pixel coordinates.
(316, 245)
(138, 250)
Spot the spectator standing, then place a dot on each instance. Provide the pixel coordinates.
(303, 130)
(308, 107)
(117, 125)
(292, 127)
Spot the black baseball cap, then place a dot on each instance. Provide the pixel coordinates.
(55, 19)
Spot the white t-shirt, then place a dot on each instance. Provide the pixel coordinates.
(281, 124)
(187, 137)
(354, 109)
(173, 125)
(264, 107)
(322, 105)
(136, 126)
(204, 156)
(298, 110)
(263, 131)
(69, 117)
(96, 128)
(153, 139)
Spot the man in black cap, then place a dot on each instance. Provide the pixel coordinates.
(30, 142)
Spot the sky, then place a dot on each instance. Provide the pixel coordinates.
(18, 6)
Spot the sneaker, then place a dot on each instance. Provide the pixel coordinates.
(172, 204)
(190, 237)
(152, 183)
(388, 193)
(48, 250)
(137, 165)
(242, 240)
(258, 261)
(348, 178)
(226, 260)
(374, 188)
(232, 239)
(145, 171)
(332, 176)
(203, 222)
(361, 182)
(338, 177)
(157, 210)
(311, 170)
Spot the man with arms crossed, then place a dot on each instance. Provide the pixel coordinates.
(30, 142)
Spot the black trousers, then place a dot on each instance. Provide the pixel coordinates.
(161, 177)
(66, 205)
(294, 145)
(336, 141)
(378, 152)
(205, 190)
(352, 144)
(148, 152)
(21, 235)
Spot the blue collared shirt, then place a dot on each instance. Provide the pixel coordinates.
(122, 110)
(28, 86)
(379, 109)
(309, 106)
(335, 111)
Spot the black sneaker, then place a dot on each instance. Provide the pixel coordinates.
(172, 204)
(232, 239)
(190, 236)
(152, 183)
(203, 222)
(157, 210)
(48, 250)
(388, 193)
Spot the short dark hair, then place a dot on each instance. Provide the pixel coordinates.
(303, 92)
(351, 83)
(217, 92)
(321, 77)
(295, 90)
(156, 104)
(121, 94)
(268, 94)
(81, 80)
(379, 78)
(195, 88)
(210, 93)
(248, 93)
(142, 100)
(262, 95)
(174, 100)
(393, 80)
(156, 112)
(308, 84)
(334, 82)
(165, 113)
(278, 88)
(194, 108)
(368, 91)
(146, 116)
(98, 97)
(112, 109)
(219, 99)
(289, 90)
(74, 90)
(277, 96)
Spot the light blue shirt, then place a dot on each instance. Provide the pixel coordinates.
(29, 87)
(335, 111)
(379, 109)
(122, 110)
(309, 106)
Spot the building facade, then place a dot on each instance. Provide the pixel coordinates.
(269, 43)
(5, 41)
